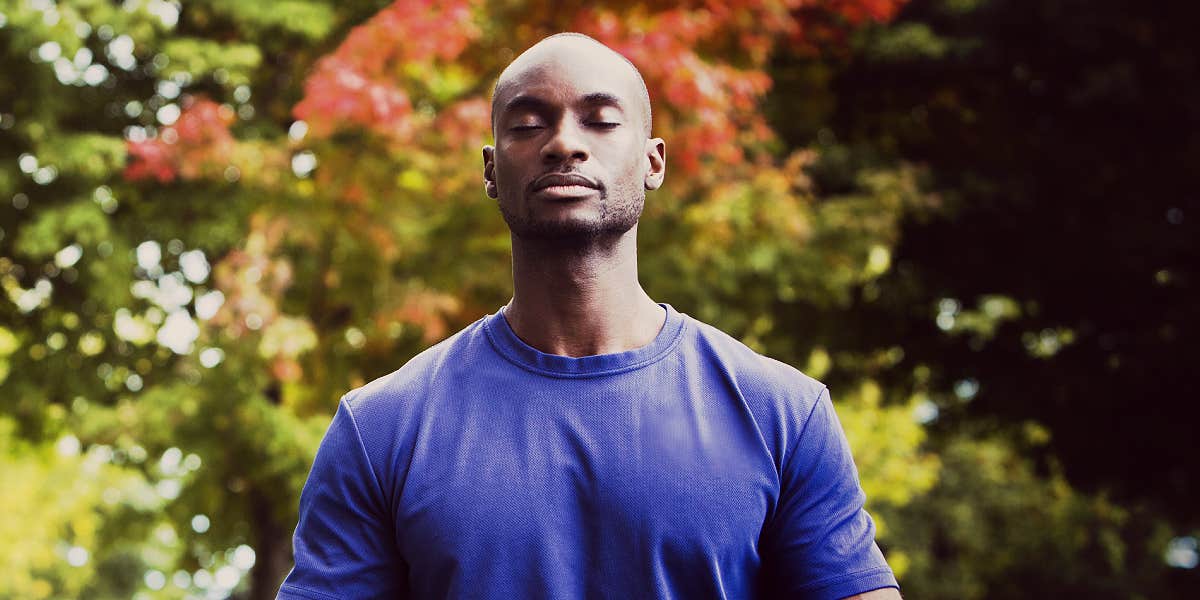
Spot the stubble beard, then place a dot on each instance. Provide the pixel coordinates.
(615, 220)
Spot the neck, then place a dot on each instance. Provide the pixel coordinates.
(581, 300)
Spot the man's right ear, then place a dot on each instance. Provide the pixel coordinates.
(489, 172)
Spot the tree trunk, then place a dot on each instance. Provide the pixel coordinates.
(272, 548)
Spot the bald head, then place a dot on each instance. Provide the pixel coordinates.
(578, 52)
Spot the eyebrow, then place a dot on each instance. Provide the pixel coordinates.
(535, 103)
(603, 99)
(524, 101)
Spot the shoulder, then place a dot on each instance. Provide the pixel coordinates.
(780, 398)
(752, 371)
(405, 389)
(387, 413)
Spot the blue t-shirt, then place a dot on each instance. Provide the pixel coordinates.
(689, 468)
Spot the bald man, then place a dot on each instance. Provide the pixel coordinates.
(584, 441)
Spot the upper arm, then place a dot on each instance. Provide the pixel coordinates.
(344, 543)
(888, 593)
(820, 542)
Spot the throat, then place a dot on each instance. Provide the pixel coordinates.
(581, 301)
(581, 332)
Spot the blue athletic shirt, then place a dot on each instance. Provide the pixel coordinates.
(691, 467)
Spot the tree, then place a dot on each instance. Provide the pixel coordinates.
(102, 344)
(1051, 282)
(227, 214)
(1088, 212)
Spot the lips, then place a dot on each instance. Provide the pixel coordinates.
(564, 181)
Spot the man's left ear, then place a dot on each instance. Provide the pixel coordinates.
(656, 151)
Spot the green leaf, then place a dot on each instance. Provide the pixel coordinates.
(81, 221)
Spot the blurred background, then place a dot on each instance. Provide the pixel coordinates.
(971, 218)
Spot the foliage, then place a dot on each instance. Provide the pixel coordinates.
(61, 504)
(1053, 140)
(226, 214)
(994, 528)
(1048, 282)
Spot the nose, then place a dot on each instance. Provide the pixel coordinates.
(565, 145)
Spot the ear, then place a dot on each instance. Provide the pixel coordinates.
(656, 152)
(489, 172)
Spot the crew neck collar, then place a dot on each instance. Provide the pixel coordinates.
(527, 357)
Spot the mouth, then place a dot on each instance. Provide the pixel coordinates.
(565, 185)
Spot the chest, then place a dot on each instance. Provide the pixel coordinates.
(580, 476)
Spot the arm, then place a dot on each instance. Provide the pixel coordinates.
(820, 542)
(344, 544)
(880, 594)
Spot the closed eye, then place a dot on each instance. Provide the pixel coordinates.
(604, 124)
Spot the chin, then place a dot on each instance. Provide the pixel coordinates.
(573, 224)
(568, 230)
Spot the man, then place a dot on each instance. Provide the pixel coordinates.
(584, 441)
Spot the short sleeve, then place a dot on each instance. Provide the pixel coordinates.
(820, 542)
(344, 544)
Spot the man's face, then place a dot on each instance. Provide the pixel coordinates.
(571, 160)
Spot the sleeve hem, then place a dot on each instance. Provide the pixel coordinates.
(294, 592)
(849, 585)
